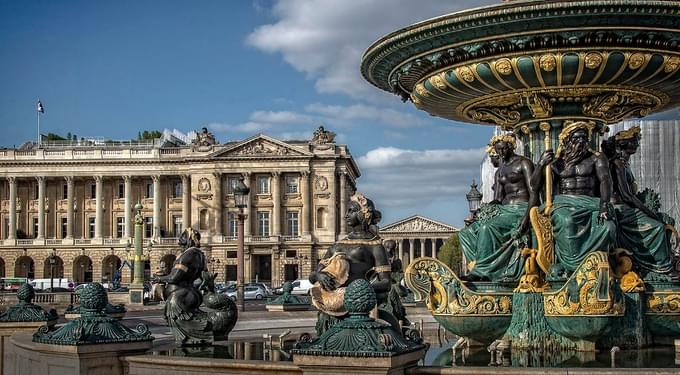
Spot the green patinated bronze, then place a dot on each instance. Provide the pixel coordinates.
(109, 309)
(26, 310)
(359, 335)
(287, 298)
(93, 326)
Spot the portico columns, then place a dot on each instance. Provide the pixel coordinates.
(434, 248)
(41, 207)
(219, 203)
(422, 248)
(12, 208)
(276, 199)
(156, 206)
(306, 210)
(127, 180)
(411, 250)
(69, 206)
(186, 202)
(99, 210)
(400, 244)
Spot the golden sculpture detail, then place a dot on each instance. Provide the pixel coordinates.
(547, 62)
(421, 90)
(539, 105)
(663, 303)
(439, 81)
(504, 67)
(672, 63)
(629, 280)
(465, 73)
(587, 292)
(445, 294)
(636, 60)
(499, 116)
(628, 134)
(593, 60)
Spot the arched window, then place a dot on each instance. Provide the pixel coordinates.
(321, 217)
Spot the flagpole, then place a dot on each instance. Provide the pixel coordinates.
(37, 113)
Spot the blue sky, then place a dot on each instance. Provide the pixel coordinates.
(112, 68)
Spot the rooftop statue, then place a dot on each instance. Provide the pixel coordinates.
(204, 138)
(189, 324)
(641, 230)
(322, 136)
(581, 217)
(360, 255)
(489, 244)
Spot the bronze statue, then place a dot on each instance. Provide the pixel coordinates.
(640, 230)
(490, 245)
(189, 324)
(397, 291)
(581, 216)
(358, 256)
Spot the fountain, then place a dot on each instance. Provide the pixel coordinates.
(552, 74)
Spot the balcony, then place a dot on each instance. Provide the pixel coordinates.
(168, 241)
(175, 203)
(62, 205)
(5, 205)
(119, 204)
(293, 237)
(259, 238)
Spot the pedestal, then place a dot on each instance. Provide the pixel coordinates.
(136, 294)
(30, 358)
(7, 329)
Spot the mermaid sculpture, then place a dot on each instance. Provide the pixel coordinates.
(189, 324)
(360, 255)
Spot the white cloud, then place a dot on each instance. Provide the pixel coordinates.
(401, 180)
(278, 117)
(326, 40)
(246, 127)
(343, 115)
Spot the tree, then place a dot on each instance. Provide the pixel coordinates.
(146, 134)
(451, 253)
(54, 137)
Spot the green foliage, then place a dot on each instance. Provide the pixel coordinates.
(451, 253)
(55, 137)
(146, 134)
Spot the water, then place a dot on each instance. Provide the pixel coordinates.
(441, 355)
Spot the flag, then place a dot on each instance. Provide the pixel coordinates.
(40, 108)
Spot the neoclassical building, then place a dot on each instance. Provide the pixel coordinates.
(417, 236)
(76, 201)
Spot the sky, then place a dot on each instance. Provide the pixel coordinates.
(110, 69)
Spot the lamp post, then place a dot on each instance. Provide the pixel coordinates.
(474, 198)
(241, 192)
(52, 260)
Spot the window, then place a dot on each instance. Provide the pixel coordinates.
(292, 217)
(90, 227)
(120, 226)
(203, 219)
(177, 225)
(231, 184)
(64, 191)
(263, 185)
(149, 190)
(35, 227)
(121, 190)
(93, 191)
(263, 223)
(177, 190)
(7, 227)
(232, 224)
(64, 226)
(291, 253)
(291, 185)
(148, 226)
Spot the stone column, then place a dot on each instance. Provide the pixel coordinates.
(343, 202)
(305, 190)
(434, 248)
(422, 247)
(249, 209)
(411, 250)
(219, 203)
(99, 203)
(41, 207)
(156, 206)
(186, 202)
(276, 199)
(70, 190)
(333, 209)
(12, 208)
(127, 180)
(400, 244)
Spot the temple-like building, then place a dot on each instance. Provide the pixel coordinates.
(75, 200)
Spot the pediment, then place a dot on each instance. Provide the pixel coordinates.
(260, 146)
(418, 224)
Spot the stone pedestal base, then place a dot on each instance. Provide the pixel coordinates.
(324, 365)
(8, 329)
(136, 294)
(29, 358)
(287, 307)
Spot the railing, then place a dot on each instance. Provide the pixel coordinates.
(168, 241)
(170, 151)
(291, 238)
(53, 241)
(112, 241)
(228, 238)
(25, 153)
(259, 238)
(25, 241)
(82, 241)
(45, 298)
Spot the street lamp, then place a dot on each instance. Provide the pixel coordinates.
(241, 192)
(138, 268)
(52, 261)
(474, 198)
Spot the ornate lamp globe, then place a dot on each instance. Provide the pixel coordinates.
(474, 198)
(241, 192)
(138, 206)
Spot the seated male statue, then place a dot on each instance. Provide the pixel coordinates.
(640, 230)
(581, 215)
(488, 244)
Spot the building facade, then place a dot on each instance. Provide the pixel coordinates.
(76, 201)
(417, 236)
